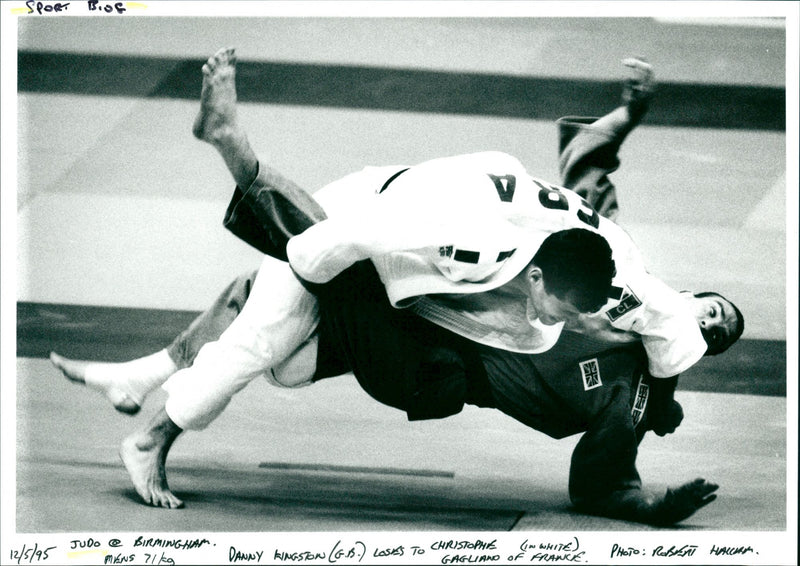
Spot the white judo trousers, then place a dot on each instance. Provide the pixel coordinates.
(274, 334)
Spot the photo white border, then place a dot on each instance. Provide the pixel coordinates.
(773, 546)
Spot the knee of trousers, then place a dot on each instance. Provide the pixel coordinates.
(197, 396)
(298, 369)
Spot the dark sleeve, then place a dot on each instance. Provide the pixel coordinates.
(604, 460)
(603, 477)
(270, 211)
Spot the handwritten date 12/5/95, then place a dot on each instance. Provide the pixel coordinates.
(92, 6)
(30, 555)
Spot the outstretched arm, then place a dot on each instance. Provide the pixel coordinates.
(674, 506)
(604, 480)
(682, 502)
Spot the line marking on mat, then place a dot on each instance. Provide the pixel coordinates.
(355, 469)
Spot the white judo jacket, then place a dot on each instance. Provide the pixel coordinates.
(447, 234)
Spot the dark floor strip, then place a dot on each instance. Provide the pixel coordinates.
(755, 367)
(677, 104)
(95, 333)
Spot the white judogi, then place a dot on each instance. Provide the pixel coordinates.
(467, 225)
(442, 227)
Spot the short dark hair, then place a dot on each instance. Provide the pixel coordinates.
(716, 344)
(577, 268)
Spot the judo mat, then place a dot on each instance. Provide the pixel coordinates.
(328, 458)
(119, 243)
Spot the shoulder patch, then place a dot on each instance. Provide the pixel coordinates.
(627, 303)
(590, 371)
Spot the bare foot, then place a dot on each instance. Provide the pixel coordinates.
(640, 86)
(642, 74)
(216, 120)
(144, 455)
(78, 372)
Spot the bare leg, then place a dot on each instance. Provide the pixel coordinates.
(144, 454)
(217, 121)
(125, 384)
(586, 159)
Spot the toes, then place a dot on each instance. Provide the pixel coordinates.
(173, 502)
(165, 499)
(71, 370)
(153, 496)
(57, 360)
(635, 62)
(222, 57)
(641, 70)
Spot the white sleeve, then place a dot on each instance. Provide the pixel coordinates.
(446, 210)
(669, 332)
(450, 243)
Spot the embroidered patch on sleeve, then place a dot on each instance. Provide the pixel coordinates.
(590, 371)
(627, 303)
(640, 402)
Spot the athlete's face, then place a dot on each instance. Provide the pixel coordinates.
(549, 308)
(715, 315)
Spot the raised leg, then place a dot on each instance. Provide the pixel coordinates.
(217, 122)
(588, 147)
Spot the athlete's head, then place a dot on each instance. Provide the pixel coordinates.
(720, 321)
(570, 274)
